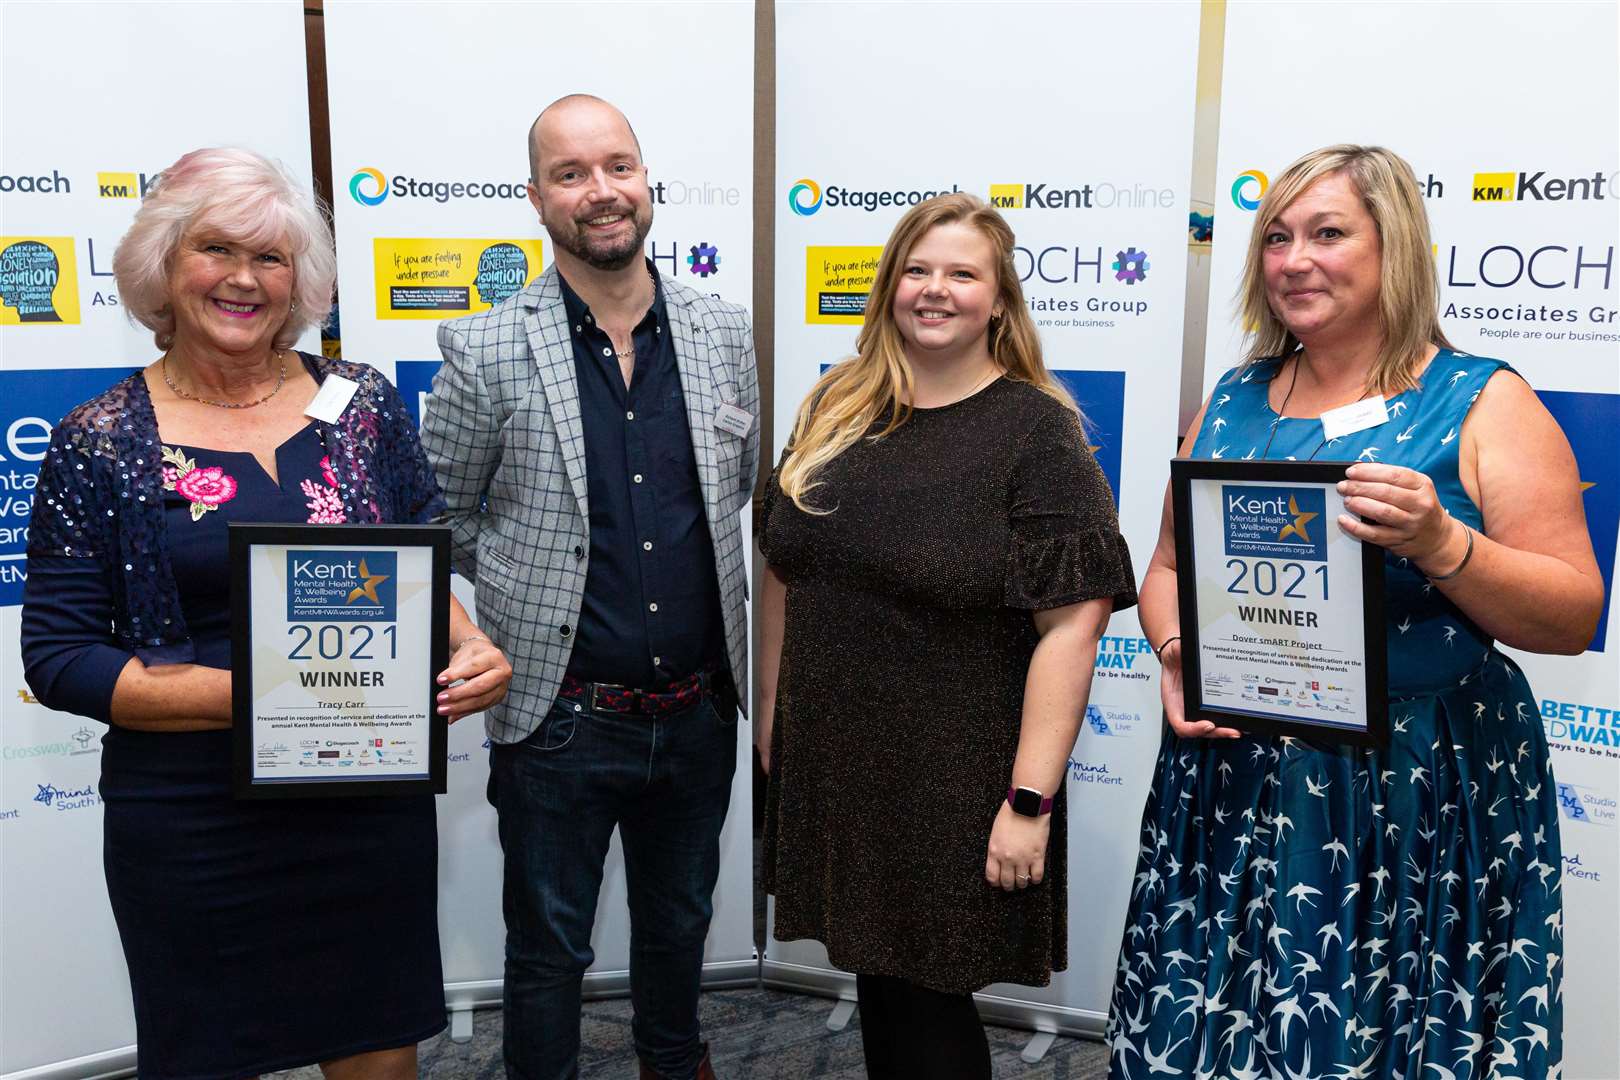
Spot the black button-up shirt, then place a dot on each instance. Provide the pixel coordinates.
(651, 612)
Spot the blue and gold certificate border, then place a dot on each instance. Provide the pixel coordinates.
(1184, 472)
(243, 539)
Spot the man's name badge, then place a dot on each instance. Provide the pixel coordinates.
(331, 399)
(730, 418)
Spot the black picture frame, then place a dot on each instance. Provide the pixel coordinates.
(243, 537)
(1184, 472)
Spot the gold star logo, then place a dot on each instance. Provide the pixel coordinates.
(1586, 485)
(1301, 519)
(369, 589)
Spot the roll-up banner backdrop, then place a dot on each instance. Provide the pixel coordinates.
(95, 99)
(1507, 113)
(1077, 122)
(433, 222)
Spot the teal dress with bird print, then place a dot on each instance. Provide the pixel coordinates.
(1309, 910)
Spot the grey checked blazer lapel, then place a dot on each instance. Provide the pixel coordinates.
(552, 347)
(697, 387)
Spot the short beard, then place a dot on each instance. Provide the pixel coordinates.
(610, 259)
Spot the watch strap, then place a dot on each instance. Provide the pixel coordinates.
(1046, 800)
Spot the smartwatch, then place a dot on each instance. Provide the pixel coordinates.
(1027, 802)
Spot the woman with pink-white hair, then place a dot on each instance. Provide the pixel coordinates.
(259, 935)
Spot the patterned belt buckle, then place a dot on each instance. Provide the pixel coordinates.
(614, 699)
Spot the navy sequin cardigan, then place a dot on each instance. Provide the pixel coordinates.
(99, 498)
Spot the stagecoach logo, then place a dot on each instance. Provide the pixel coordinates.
(1249, 188)
(368, 186)
(1275, 522)
(341, 586)
(804, 197)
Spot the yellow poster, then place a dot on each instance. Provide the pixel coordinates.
(836, 281)
(39, 280)
(422, 278)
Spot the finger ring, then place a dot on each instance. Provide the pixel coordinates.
(1023, 877)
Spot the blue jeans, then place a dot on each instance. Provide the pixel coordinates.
(666, 783)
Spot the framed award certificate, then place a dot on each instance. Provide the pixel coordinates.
(1282, 613)
(337, 633)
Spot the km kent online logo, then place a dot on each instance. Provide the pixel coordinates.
(1499, 187)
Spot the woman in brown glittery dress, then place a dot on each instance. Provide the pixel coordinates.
(943, 556)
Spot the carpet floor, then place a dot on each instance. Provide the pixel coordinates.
(753, 1035)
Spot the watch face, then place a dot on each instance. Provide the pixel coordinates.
(1027, 801)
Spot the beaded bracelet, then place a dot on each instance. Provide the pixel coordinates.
(1468, 553)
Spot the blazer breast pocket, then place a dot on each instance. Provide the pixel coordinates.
(496, 573)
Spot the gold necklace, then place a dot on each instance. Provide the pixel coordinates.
(280, 379)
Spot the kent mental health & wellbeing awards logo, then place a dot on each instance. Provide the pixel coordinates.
(342, 586)
(1275, 522)
(1249, 188)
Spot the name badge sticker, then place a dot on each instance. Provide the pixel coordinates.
(1358, 416)
(331, 399)
(733, 419)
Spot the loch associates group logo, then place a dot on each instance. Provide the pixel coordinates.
(804, 197)
(1131, 266)
(1249, 188)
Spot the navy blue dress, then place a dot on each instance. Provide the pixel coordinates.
(259, 935)
(1307, 910)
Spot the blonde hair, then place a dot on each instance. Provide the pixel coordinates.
(1408, 289)
(250, 199)
(877, 381)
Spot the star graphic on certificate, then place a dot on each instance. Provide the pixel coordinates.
(369, 589)
(1297, 526)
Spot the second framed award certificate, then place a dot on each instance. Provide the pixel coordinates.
(1282, 612)
(337, 634)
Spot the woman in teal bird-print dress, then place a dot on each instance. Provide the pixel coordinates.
(1311, 910)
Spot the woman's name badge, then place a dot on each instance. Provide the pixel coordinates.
(1349, 419)
(730, 418)
(331, 399)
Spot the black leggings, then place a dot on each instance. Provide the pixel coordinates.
(910, 1031)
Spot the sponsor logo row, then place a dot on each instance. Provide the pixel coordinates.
(370, 186)
(807, 197)
(1539, 185)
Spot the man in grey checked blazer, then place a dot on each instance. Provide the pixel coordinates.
(595, 436)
